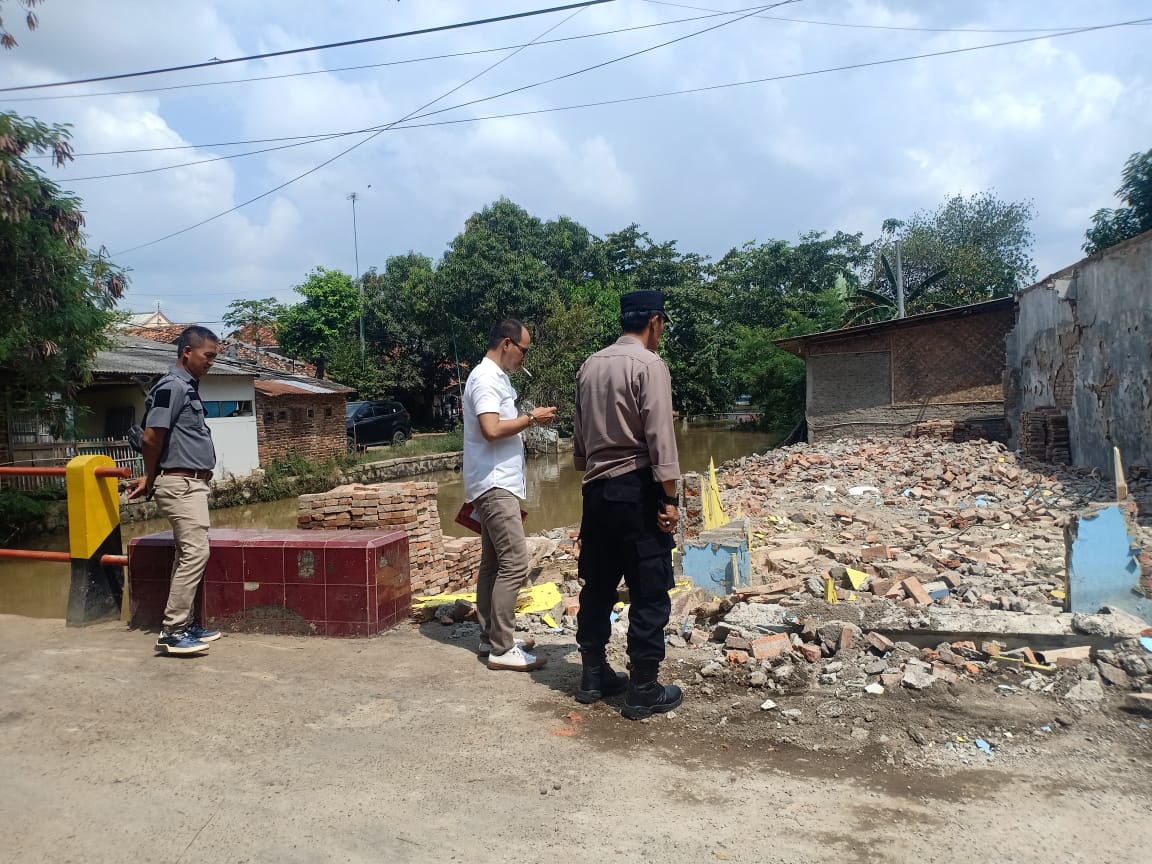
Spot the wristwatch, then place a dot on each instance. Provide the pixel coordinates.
(531, 420)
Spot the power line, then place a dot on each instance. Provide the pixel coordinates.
(577, 10)
(364, 66)
(415, 114)
(406, 124)
(377, 129)
(887, 26)
(347, 43)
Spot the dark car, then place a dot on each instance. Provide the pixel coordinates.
(377, 422)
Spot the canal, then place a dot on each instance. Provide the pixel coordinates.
(40, 589)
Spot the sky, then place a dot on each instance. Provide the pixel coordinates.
(1050, 121)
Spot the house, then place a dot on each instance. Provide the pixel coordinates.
(300, 416)
(114, 401)
(297, 412)
(1080, 361)
(149, 319)
(880, 379)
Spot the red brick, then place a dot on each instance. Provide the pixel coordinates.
(771, 646)
(880, 642)
(916, 591)
(737, 658)
(875, 553)
(810, 651)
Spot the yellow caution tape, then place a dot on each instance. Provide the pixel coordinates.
(549, 620)
(830, 591)
(1058, 594)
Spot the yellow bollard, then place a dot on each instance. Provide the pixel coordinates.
(93, 531)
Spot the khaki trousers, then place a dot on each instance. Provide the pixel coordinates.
(503, 567)
(183, 501)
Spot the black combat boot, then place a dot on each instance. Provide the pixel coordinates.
(647, 696)
(598, 680)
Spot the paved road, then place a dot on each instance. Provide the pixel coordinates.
(405, 749)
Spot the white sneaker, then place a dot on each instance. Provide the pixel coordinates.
(527, 643)
(517, 660)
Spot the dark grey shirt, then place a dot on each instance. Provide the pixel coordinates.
(176, 406)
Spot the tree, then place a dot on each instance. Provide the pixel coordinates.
(1109, 226)
(248, 318)
(58, 297)
(7, 38)
(493, 269)
(328, 313)
(966, 251)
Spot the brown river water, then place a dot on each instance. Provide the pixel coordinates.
(40, 589)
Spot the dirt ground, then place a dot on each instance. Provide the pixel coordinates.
(405, 748)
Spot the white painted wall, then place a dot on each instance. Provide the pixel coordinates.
(237, 451)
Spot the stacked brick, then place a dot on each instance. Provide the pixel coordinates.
(436, 565)
(1044, 436)
(960, 431)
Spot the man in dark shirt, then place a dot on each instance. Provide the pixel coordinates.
(178, 462)
(624, 441)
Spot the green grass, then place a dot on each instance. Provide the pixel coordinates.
(425, 445)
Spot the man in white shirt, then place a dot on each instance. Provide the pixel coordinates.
(494, 484)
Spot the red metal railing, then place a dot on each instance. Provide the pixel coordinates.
(63, 557)
(60, 471)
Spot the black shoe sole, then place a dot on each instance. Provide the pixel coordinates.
(639, 712)
(587, 697)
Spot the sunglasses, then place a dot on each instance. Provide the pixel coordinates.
(523, 350)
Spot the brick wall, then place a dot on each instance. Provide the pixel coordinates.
(438, 564)
(311, 425)
(882, 382)
(953, 360)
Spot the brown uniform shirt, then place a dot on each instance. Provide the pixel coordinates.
(624, 414)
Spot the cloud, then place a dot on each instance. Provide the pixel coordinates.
(1049, 121)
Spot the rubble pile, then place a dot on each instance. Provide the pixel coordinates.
(919, 521)
(786, 650)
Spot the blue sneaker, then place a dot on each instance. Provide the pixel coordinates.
(201, 633)
(180, 642)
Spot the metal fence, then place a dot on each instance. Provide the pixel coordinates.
(56, 453)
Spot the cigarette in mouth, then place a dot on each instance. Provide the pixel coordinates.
(525, 371)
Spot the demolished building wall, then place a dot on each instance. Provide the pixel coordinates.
(1082, 348)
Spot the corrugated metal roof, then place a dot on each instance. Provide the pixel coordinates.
(299, 387)
(795, 344)
(132, 355)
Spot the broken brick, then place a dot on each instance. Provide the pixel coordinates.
(771, 646)
(916, 591)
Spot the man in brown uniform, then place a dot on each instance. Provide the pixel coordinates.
(625, 442)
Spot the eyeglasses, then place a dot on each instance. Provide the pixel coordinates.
(523, 350)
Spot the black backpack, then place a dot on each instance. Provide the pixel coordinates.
(135, 434)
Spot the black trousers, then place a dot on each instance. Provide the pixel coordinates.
(620, 538)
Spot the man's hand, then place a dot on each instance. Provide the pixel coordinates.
(142, 486)
(668, 518)
(543, 416)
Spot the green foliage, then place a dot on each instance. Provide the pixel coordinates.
(1112, 226)
(250, 317)
(58, 297)
(330, 311)
(22, 511)
(966, 251)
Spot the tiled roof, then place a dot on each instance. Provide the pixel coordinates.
(300, 387)
(131, 355)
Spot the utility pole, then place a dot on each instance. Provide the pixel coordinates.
(899, 283)
(352, 196)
